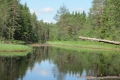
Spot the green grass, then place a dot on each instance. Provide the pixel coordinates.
(13, 49)
(85, 46)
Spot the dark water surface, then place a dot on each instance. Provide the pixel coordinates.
(50, 63)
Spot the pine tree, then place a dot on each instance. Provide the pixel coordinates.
(110, 24)
(61, 17)
(33, 30)
(13, 17)
(25, 24)
(95, 16)
(3, 17)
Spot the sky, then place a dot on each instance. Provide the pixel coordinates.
(46, 9)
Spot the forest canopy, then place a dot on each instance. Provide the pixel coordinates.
(102, 21)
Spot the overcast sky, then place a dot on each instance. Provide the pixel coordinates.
(46, 9)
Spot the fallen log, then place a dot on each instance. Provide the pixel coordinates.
(100, 40)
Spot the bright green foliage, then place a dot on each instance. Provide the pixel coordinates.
(111, 25)
(68, 25)
(86, 45)
(12, 47)
(94, 19)
(101, 22)
(61, 16)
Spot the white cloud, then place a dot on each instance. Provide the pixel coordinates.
(42, 72)
(78, 9)
(46, 21)
(43, 10)
(47, 9)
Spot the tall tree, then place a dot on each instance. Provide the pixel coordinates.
(33, 30)
(61, 15)
(25, 23)
(110, 24)
(95, 15)
(3, 16)
(63, 10)
(96, 12)
(13, 17)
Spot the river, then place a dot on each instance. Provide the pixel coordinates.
(52, 63)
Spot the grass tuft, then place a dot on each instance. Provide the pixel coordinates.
(14, 49)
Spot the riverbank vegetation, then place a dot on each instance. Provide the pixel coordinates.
(102, 22)
(14, 49)
(86, 46)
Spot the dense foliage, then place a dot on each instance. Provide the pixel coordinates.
(16, 22)
(102, 21)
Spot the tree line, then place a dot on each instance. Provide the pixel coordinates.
(102, 21)
(17, 23)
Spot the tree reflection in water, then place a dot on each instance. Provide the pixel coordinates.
(58, 74)
(65, 61)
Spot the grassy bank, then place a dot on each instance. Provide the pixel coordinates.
(13, 49)
(85, 45)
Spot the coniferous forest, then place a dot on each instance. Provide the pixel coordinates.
(102, 21)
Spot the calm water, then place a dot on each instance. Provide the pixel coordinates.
(49, 63)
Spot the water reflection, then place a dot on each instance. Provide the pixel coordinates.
(50, 63)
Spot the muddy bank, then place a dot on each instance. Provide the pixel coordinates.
(13, 50)
(98, 78)
(38, 45)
